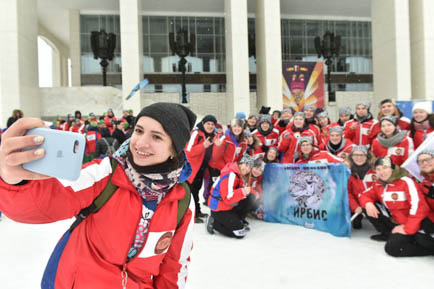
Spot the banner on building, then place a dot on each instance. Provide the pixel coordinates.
(406, 106)
(303, 83)
(310, 195)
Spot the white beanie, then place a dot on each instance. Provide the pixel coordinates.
(424, 105)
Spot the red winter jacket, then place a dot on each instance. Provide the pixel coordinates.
(403, 123)
(227, 190)
(403, 199)
(227, 152)
(344, 151)
(356, 186)
(91, 138)
(97, 249)
(359, 135)
(398, 153)
(269, 140)
(320, 157)
(288, 145)
(420, 136)
(195, 152)
(430, 201)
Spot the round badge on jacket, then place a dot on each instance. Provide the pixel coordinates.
(163, 243)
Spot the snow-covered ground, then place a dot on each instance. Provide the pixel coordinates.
(271, 256)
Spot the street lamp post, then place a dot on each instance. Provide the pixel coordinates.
(328, 48)
(103, 46)
(182, 46)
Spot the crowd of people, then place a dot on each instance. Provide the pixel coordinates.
(230, 165)
(228, 161)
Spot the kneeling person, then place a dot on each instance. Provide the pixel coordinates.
(231, 199)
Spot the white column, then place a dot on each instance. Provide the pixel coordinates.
(131, 51)
(422, 48)
(74, 46)
(19, 86)
(391, 49)
(237, 58)
(268, 54)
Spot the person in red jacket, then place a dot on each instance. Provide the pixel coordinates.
(282, 123)
(311, 155)
(324, 126)
(232, 199)
(357, 130)
(309, 113)
(288, 142)
(389, 108)
(422, 123)
(425, 160)
(344, 116)
(392, 141)
(234, 145)
(199, 152)
(272, 156)
(254, 145)
(268, 135)
(395, 206)
(135, 238)
(362, 177)
(110, 116)
(337, 144)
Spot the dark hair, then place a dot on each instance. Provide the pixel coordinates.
(105, 132)
(430, 119)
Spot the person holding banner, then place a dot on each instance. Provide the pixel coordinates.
(232, 199)
(362, 178)
(357, 129)
(392, 141)
(395, 206)
(422, 123)
(337, 144)
(425, 160)
(389, 108)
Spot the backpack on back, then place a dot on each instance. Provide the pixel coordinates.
(110, 147)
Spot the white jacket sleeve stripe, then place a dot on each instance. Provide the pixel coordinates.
(413, 194)
(191, 141)
(187, 246)
(90, 175)
(231, 185)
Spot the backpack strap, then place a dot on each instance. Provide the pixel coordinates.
(99, 201)
(183, 203)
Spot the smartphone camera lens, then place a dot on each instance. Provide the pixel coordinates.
(75, 148)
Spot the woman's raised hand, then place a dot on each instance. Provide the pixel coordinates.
(11, 156)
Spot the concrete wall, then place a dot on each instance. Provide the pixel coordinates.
(64, 100)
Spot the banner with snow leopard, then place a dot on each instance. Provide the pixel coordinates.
(311, 195)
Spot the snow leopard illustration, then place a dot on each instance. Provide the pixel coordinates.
(307, 188)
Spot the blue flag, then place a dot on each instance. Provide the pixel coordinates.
(139, 86)
(311, 195)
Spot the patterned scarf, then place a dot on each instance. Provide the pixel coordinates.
(151, 188)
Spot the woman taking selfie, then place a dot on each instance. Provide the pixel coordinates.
(140, 237)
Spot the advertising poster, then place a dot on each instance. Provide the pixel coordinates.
(303, 83)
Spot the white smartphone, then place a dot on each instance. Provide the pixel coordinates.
(64, 152)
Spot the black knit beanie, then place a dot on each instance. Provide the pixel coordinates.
(177, 120)
(208, 118)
